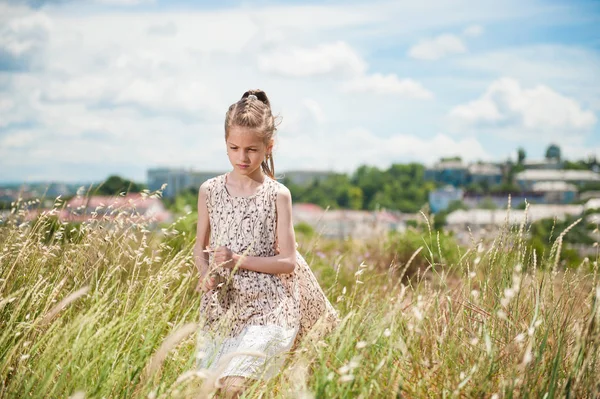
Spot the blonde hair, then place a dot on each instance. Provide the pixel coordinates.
(253, 111)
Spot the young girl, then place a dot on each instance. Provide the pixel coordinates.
(259, 294)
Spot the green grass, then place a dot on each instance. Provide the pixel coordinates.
(494, 320)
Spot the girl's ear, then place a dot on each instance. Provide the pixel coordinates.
(270, 145)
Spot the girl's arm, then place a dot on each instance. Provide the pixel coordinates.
(202, 233)
(285, 261)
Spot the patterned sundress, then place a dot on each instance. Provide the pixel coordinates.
(253, 311)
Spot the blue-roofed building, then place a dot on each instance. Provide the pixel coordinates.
(485, 173)
(454, 173)
(440, 199)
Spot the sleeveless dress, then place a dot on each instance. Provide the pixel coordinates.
(248, 310)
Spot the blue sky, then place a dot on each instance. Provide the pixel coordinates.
(97, 87)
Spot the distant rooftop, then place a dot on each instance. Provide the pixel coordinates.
(557, 175)
(546, 186)
(449, 165)
(479, 217)
(484, 169)
(536, 162)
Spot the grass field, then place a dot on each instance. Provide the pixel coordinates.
(108, 310)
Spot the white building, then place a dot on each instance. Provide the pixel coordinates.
(594, 203)
(343, 224)
(556, 192)
(484, 218)
(486, 173)
(528, 178)
(542, 164)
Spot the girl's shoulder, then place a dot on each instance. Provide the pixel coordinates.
(281, 189)
(279, 185)
(209, 184)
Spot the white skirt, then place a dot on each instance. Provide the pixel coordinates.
(270, 343)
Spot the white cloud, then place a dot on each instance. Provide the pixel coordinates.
(438, 47)
(473, 31)
(387, 84)
(339, 59)
(315, 110)
(22, 39)
(572, 70)
(361, 146)
(124, 2)
(573, 151)
(152, 89)
(328, 58)
(508, 107)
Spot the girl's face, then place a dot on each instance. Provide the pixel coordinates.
(246, 150)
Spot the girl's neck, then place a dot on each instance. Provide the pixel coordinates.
(247, 180)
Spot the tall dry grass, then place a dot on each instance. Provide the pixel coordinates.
(108, 309)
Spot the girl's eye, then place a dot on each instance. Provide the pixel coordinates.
(233, 148)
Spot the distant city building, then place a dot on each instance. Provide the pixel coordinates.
(197, 178)
(454, 173)
(485, 173)
(528, 178)
(460, 220)
(553, 164)
(177, 180)
(440, 199)
(457, 174)
(556, 192)
(48, 191)
(343, 224)
(553, 152)
(302, 178)
(500, 200)
(589, 195)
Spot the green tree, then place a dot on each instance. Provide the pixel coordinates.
(115, 185)
(521, 154)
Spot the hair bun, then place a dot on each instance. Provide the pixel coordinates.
(256, 95)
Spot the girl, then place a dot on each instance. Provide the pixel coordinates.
(259, 293)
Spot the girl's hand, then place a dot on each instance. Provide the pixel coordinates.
(224, 257)
(205, 284)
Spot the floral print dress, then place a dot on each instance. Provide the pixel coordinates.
(253, 311)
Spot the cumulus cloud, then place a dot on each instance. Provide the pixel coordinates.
(362, 146)
(153, 88)
(438, 47)
(339, 59)
(473, 31)
(387, 84)
(22, 40)
(509, 107)
(328, 58)
(444, 45)
(42, 3)
(166, 29)
(571, 70)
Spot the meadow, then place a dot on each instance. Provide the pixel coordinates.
(107, 309)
